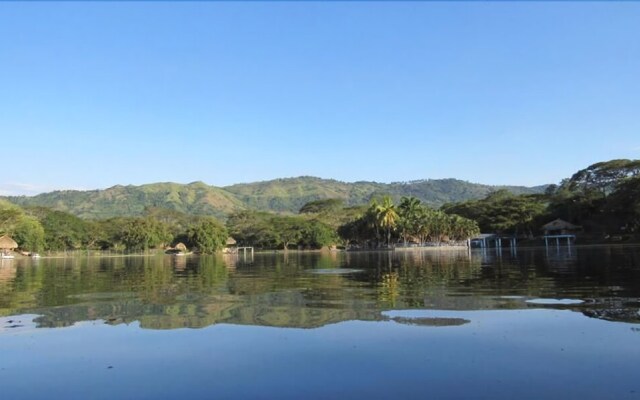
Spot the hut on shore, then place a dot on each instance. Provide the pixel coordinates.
(230, 246)
(560, 227)
(7, 244)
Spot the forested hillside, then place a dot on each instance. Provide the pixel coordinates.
(194, 198)
(292, 193)
(279, 195)
(601, 201)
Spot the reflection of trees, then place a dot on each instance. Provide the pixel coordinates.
(278, 291)
(8, 272)
(389, 289)
(618, 309)
(433, 321)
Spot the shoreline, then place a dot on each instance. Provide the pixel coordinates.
(320, 251)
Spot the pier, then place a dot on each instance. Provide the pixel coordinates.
(567, 236)
(485, 240)
(244, 250)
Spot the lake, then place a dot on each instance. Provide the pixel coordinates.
(553, 323)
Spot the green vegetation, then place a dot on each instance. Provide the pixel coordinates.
(134, 201)
(381, 223)
(503, 212)
(143, 233)
(272, 231)
(208, 235)
(411, 221)
(603, 198)
(24, 228)
(322, 206)
(280, 195)
(38, 228)
(386, 216)
(289, 195)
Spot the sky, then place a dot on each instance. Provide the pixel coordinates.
(97, 94)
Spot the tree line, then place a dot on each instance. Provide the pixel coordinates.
(604, 197)
(38, 229)
(319, 224)
(384, 223)
(329, 222)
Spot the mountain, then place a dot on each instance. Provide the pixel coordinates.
(279, 195)
(290, 194)
(194, 198)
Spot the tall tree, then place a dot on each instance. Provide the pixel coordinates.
(410, 210)
(387, 216)
(288, 230)
(29, 234)
(603, 176)
(208, 235)
(144, 233)
(624, 204)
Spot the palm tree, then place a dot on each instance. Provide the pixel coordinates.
(387, 216)
(409, 204)
(410, 209)
(439, 223)
(423, 226)
(371, 220)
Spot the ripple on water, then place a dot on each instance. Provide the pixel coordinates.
(433, 318)
(554, 302)
(102, 296)
(334, 271)
(431, 321)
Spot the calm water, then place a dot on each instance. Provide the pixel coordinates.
(536, 324)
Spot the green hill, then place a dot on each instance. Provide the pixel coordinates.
(194, 198)
(279, 195)
(291, 194)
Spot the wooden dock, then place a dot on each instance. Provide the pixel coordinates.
(558, 237)
(244, 250)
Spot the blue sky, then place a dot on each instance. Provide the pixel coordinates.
(98, 94)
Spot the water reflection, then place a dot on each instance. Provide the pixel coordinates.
(278, 290)
(432, 321)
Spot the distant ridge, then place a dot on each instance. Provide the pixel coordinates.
(277, 195)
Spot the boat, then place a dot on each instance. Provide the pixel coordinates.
(7, 256)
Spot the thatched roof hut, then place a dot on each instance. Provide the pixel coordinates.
(231, 241)
(181, 246)
(6, 243)
(560, 226)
